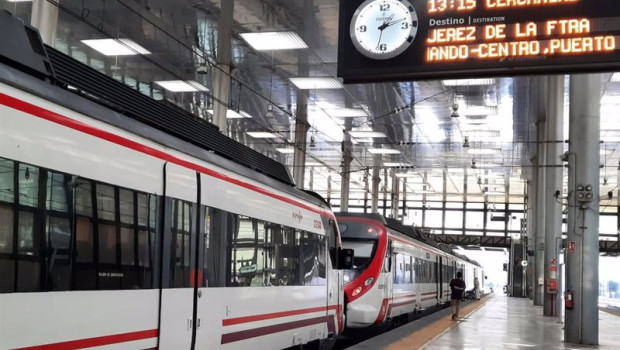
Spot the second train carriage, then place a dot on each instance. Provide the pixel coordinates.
(397, 270)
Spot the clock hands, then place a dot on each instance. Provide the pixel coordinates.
(385, 24)
(395, 22)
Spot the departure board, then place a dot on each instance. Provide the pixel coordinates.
(396, 40)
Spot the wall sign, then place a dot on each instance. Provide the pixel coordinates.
(382, 40)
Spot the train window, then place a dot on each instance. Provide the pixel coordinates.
(57, 194)
(28, 183)
(106, 202)
(50, 240)
(126, 206)
(181, 241)
(408, 270)
(6, 230)
(7, 181)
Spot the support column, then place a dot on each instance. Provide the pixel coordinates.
(347, 157)
(45, 19)
(376, 180)
(221, 85)
(553, 206)
(531, 228)
(539, 251)
(395, 195)
(583, 216)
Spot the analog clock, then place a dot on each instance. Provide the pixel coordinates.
(383, 29)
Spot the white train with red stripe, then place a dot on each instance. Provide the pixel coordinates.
(116, 235)
(397, 270)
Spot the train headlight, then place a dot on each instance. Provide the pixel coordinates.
(346, 278)
(357, 291)
(368, 281)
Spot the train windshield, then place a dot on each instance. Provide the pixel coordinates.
(362, 238)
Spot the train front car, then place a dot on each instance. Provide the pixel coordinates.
(368, 283)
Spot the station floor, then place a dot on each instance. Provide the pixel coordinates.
(497, 322)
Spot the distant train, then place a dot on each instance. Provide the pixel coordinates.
(117, 235)
(397, 270)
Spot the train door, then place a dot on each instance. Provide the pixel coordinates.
(179, 228)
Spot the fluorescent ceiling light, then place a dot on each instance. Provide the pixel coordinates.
(488, 165)
(383, 151)
(409, 175)
(286, 150)
(483, 151)
(181, 85)
(313, 164)
(232, 114)
(315, 83)
(478, 111)
(267, 41)
(346, 112)
(116, 47)
(494, 193)
(402, 165)
(262, 135)
(367, 134)
(615, 77)
(468, 82)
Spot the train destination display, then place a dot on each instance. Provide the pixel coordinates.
(384, 40)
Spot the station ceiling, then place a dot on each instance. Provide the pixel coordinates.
(416, 118)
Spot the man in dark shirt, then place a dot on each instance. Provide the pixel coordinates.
(457, 286)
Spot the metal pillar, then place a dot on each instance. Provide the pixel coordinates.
(531, 229)
(347, 157)
(539, 250)
(45, 19)
(583, 217)
(376, 179)
(553, 206)
(395, 193)
(221, 85)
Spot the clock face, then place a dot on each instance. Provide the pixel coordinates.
(383, 29)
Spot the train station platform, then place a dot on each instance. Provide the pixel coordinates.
(495, 322)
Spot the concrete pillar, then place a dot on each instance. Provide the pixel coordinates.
(583, 217)
(221, 85)
(553, 206)
(376, 180)
(45, 19)
(539, 251)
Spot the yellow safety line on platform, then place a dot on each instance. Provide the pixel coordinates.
(423, 336)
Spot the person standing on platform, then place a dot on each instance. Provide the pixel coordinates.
(476, 288)
(457, 286)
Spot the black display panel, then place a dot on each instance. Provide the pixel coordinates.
(476, 38)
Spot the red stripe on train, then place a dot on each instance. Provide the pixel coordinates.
(257, 332)
(97, 341)
(270, 316)
(54, 117)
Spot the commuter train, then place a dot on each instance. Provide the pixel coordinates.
(115, 234)
(397, 270)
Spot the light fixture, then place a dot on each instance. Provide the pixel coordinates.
(383, 151)
(232, 114)
(367, 134)
(494, 193)
(262, 134)
(346, 112)
(285, 150)
(116, 47)
(181, 85)
(425, 192)
(473, 163)
(466, 142)
(615, 78)
(468, 82)
(455, 111)
(312, 143)
(267, 41)
(396, 165)
(316, 83)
